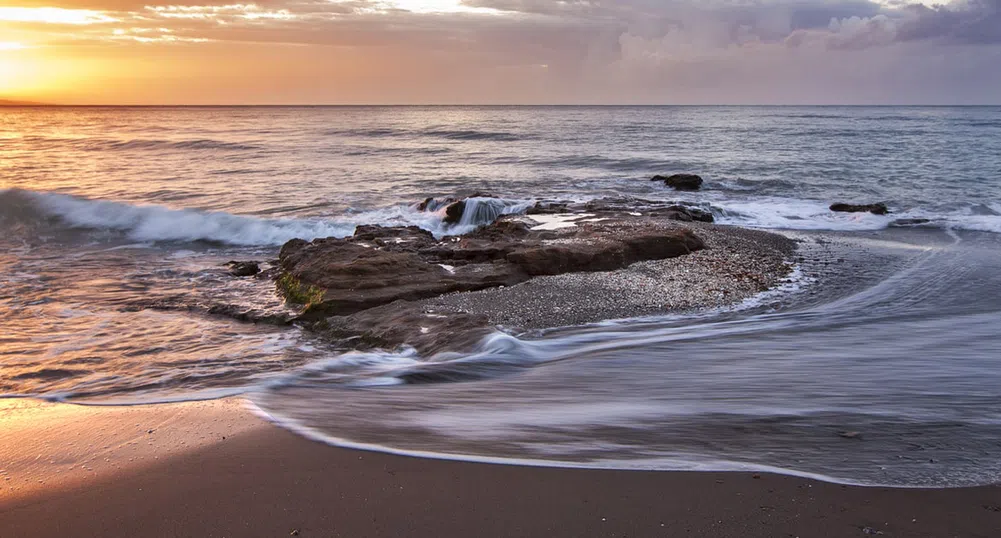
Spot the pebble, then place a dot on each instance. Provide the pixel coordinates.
(738, 264)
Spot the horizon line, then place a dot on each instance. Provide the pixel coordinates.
(11, 103)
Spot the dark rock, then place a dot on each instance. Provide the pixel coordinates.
(270, 273)
(876, 209)
(603, 253)
(614, 205)
(681, 182)
(355, 278)
(397, 238)
(401, 322)
(374, 232)
(684, 214)
(244, 268)
(903, 223)
(625, 207)
(453, 213)
(291, 247)
(354, 275)
(434, 204)
(501, 230)
(232, 311)
(548, 208)
(251, 315)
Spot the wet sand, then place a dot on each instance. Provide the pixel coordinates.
(261, 480)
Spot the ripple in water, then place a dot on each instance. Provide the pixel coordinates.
(117, 222)
(892, 381)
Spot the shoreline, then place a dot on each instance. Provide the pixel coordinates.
(262, 480)
(388, 287)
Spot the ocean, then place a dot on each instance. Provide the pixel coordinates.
(117, 223)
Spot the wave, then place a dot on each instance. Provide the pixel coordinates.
(474, 135)
(924, 426)
(979, 123)
(795, 214)
(448, 134)
(159, 223)
(640, 165)
(108, 144)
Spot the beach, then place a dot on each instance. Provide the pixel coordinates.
(249, 478)
(523, 321)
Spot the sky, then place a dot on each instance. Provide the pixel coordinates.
(501, 51)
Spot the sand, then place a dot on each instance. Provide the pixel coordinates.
(264, 481)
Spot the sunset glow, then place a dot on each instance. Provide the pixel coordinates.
(52, 15)
(490, 51)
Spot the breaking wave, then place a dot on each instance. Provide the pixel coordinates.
(108, 144)
(793, 214)
(160, 223)
(447, 134)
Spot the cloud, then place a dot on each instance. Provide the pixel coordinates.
(958, 23)
(974, 21)
(568, 50)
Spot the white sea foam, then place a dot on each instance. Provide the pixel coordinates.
(979, 223)
(159, 223)
(149, 223)
(795, 214)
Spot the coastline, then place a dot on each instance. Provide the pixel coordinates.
(264, 481)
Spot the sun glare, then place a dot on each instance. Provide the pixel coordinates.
(53, 15)
(10, 45)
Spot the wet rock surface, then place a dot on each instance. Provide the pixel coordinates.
(876, 209)
(903, 223)
(681, 182)
(378, 266)
(737, 264)
(563, 263)
(404, 322)
(242, 269)
(626, 208)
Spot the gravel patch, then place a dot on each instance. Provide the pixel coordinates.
(738, 264)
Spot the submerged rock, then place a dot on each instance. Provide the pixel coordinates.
(548, 207)
(400, 322)
(903, 223)
(434, 204)
(251, 315)
(242, 269)
(681, 182)
(627, 208)
(876, 209)
(684, 214)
